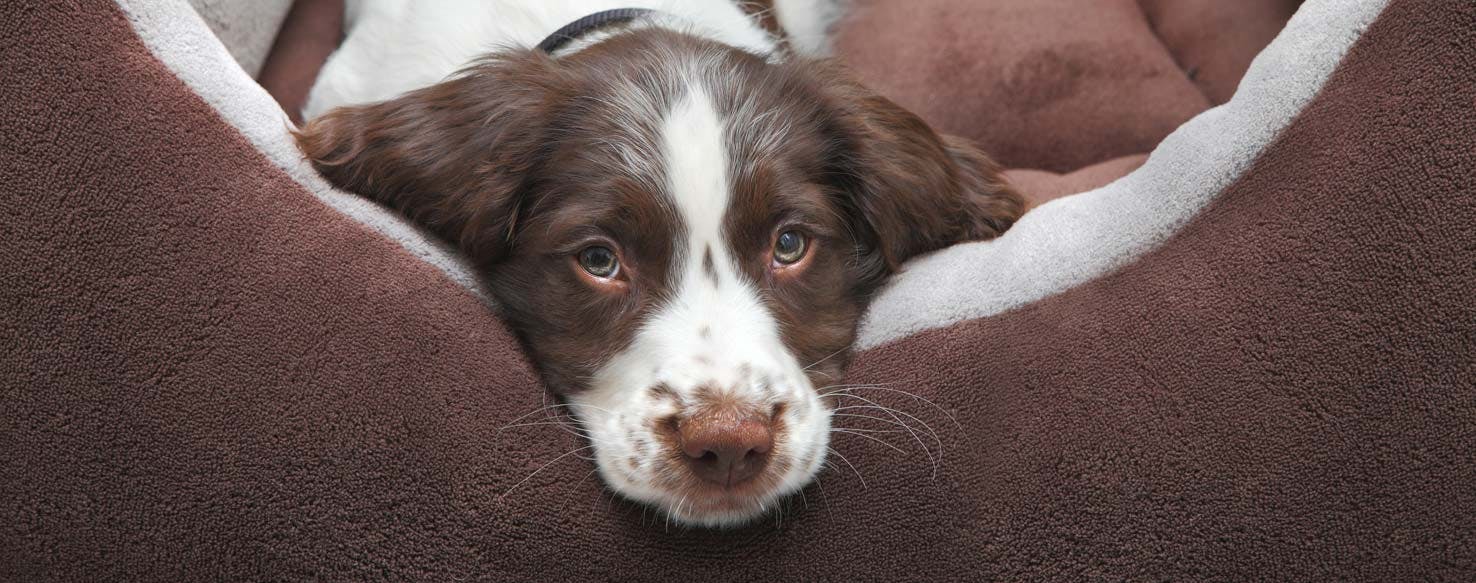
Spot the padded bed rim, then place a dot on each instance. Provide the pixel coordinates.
(1073, 240)
(1057, 246)
(180, 39)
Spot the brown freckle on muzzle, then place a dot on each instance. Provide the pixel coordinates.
(662, 391)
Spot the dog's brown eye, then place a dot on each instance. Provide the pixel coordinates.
(790, 247)
(599, 262)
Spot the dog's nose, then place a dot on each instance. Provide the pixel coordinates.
(724, 449)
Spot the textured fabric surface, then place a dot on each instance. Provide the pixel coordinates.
(311, 32)
(1283, 391)
(174, 33)
(210, 371)
(1041, 186)
(1214, 41)
(1075, 239)
(247, 28)
(1046, 84)
(206, 373)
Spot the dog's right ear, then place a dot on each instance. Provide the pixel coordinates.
(452, 156)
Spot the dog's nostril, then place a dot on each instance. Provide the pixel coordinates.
(725, 450)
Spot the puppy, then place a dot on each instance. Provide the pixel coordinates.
(682, 220)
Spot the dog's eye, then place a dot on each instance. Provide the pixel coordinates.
(790, 247)
(599, 262)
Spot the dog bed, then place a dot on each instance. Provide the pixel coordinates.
(1249, 358)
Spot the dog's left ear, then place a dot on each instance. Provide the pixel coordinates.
(917, 191)
(452, 156)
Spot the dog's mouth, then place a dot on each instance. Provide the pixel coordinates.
(689, 498)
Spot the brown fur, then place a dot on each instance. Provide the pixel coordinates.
(513, 162)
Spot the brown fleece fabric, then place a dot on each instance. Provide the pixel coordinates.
(310, 33)
(1074, 87)
(1213, 41)
(205, 374)
(1040, 186)
(1046, 84)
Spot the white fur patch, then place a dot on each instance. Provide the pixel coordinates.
(394, 46)
(693, 137)
(809, 22)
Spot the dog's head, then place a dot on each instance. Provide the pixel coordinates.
(683, 234)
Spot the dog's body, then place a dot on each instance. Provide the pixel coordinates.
(682, 221)
(394, 46)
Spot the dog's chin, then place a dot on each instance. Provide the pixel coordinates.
(684, 500)
(721, 507)
(722, 511)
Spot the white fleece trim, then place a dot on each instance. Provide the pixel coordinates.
(1076, 239)
(247, 29)
(179, 38)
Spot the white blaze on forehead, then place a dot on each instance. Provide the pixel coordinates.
(696, 155)
(709, 292)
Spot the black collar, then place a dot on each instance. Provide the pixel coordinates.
(572, 31)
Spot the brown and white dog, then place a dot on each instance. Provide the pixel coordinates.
(682, 220)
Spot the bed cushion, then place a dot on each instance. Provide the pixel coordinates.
(1214, 41)
(247, 29)
(309, 34)
(1053, 85)
(214, 367)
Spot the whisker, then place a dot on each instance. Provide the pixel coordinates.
(848, 462)
(889, 410)
(893, 413)
(581, 483)
(894, 421)
(544, 467)
(846, 431)
(870, 430)
(823, 498)
(860, 416)
(932, 432)
(526, 415)
(826, 390)
(551, 421)
(574, 430)
(547, 408)
(667, 528)
(832, 355)
(610, 502)
(940, 408)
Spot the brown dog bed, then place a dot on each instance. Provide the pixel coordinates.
(1247, 359)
